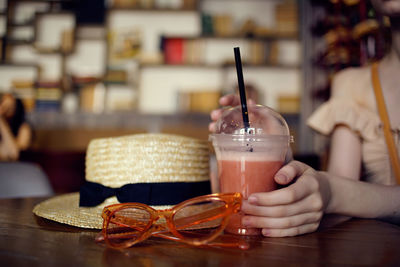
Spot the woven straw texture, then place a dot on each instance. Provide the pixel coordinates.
(147, 158)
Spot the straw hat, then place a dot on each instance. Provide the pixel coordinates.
(165, 163)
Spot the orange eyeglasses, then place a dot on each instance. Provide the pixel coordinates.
(197, 221)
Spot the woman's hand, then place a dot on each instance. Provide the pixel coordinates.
(7, 105)
(294, 210)
(225, 101)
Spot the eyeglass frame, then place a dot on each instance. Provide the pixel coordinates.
(232, 202)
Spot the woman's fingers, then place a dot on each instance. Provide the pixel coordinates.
(294, 231)
(290, 171)
(233, 100)
(224, 101)
(282, 223)
(212, 127)
(216, 114)
(311, 203)
(293, 210)
(302, 188)
(229, 100)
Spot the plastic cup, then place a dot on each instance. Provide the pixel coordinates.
(247, 160)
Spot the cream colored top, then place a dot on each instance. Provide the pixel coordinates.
(353, 104)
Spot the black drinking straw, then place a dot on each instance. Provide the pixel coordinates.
(242, 91)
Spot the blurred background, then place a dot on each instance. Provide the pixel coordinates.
(91, 68)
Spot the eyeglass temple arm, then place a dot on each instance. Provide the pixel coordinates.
(223, 241)
(198, 218)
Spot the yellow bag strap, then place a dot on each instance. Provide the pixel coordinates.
(394, 158)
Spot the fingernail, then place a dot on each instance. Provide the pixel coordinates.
(252, 200)
(266, 232)
(281, 177)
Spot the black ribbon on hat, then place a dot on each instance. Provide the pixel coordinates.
(93, 194)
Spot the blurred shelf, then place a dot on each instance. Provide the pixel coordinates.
(122, 120)
(218, 66)
(42, 1)
(22, 24)
(53, 51)
(109, 83)
(182, 65)
(263, 65)
(19, 42)
(272, 36)
(238, 0)
(55, 131)
(72, 132)
(14, 64)
(137, 9)
(269, 37)
(117, 119)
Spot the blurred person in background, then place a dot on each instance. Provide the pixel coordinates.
(358, 149)
(15, 132)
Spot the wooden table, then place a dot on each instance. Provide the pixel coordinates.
(27, 240)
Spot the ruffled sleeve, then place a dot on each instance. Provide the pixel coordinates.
(338, 111)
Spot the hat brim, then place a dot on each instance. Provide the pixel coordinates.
(65, 209)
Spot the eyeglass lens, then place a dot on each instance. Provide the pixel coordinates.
(198, 220)
(127, 225)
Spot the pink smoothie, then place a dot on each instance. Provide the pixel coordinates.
(246, 175)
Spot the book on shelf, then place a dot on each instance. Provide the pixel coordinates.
(207, 25)
(124, 44)
(273, 55)
(286, 16)
(262, 31)
(120, 98)
(258, 52)
(47, 105)
(48, 96)
(156, 4)
(24, 90)
(289, 103)
(193, 51)
(92, 97)
(203, 101)
(79, 81)
(47, 84)
(52, 94)
(223, 25)
(67, 41)
(189, 4)
(116, 76)
(181, 50)
(173, 50)
(125, 3)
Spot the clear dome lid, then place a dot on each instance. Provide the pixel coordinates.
(263, 121)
